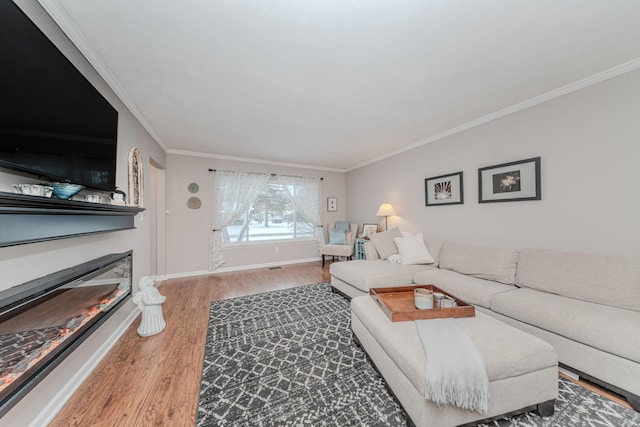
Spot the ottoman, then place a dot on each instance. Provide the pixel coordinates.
(522, 369)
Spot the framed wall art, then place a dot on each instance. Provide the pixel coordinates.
(332, 204)
(510, 182)
(444, 190)
(368, 230)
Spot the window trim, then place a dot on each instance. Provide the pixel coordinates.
(273, 242)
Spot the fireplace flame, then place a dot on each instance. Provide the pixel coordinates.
(35, 355)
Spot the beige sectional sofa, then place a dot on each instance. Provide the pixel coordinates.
(586, 306)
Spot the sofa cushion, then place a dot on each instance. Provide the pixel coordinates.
(435, 248)
(365, 275)
(507, 351)
(470, 289)
(609, 280)
(498, 264)
(384, 242)
(413, 250)
(610, 329)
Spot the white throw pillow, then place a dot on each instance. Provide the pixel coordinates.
(413, 250)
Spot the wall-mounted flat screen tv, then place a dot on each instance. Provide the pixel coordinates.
(53, 122)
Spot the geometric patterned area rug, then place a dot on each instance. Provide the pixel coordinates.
(576, 406)
(287, 357)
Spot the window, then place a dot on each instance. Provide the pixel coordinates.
(272, 216)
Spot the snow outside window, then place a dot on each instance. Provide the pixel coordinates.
(272, 216)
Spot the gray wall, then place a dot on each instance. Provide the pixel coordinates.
(590, 149)
(26, 262)
(189, 230)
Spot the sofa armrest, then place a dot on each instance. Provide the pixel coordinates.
(370, 252)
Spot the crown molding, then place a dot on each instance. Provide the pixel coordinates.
(250, 160)
(564, 90)
(61, 18)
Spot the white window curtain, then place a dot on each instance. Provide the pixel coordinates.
(234, 192)
(307, 197)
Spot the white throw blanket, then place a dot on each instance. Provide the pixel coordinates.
(456, 373)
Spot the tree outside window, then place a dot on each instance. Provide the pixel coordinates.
(272, 216)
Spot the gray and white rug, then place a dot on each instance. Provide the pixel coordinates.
(287, 357)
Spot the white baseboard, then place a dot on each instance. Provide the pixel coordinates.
(188, 274)
(241, 267)
(160, 277)
(266, 265)
(50, 410)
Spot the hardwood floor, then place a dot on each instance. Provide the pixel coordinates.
(155, 380)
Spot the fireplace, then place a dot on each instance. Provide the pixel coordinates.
(44, 320)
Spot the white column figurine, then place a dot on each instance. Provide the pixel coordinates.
(150, 302)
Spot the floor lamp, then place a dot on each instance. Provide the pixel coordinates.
(386, 210)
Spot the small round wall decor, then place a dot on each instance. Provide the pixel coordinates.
(194, 203)
(193, 187)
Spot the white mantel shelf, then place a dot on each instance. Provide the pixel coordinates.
(30, 219)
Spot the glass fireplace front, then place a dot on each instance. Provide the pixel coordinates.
(42, 321)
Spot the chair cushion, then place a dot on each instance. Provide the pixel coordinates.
(338, 237)
(384, 242)
(336, 250)
(498, 264)
(609, 280)
(610, 329)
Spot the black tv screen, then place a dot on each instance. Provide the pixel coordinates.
(53, 122)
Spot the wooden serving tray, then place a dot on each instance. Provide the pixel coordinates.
(398, 304)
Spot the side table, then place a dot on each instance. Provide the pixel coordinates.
(360, 254)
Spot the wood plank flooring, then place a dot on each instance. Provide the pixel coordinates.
(155, 381)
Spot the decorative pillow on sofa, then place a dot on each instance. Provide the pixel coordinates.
(338, 237)
(384, 242)
(413, 250)
(395, 259)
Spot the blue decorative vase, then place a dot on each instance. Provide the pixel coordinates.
(64, 190)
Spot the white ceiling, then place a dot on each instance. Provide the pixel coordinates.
(338, 83)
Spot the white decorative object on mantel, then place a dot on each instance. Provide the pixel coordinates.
(136, 178)
(150, 302)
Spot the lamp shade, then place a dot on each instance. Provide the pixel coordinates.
(385, 210)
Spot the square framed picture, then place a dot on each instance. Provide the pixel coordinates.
(444, 190)
(510, 182)
(368, 230)
(332, 204)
